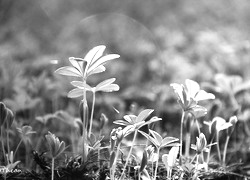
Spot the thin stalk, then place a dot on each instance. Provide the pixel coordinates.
(52, 168)
(218, 146)
(114, 164)
(193, 158)
(197, 161)
(225, 151)
(169, 172)
(84, 131)
(181, 136)
(17, 148)
(92, 114)
(209, 151)
(157, 162)
(129, 154)
(198, 126)
(2, 142)
(8, 138)
(187, 147)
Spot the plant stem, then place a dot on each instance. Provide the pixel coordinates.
(17, 148)
(130, 151)
(2, 142)
(52, 168)
(198, 126)
(209, 151)
(115, 161)
(187, 147)
(181, 136)
(156, 165)
(225, 151)
(8, 138)
(218, 146)
(84, 131)
(92, 114)
(197, 161)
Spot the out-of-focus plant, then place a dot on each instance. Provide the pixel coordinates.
(116, 137)
(82, 68)
(169, 160)
(6, 120)
(133, 123)
(215, 126)
(189, 96)
(56, 148)
(159, 143)
(233, 120)
(25, 134)
(228, 88)
(10, 165)
(104, 86)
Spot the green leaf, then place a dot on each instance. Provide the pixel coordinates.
(144, 161)
(121, 122)
(94, 54)
(144, 114)
(168, 141)
(68, 71)
(109, 88)
(152, 120)
(99, 69)
(156, 136)
(128, 130)
(105, 83)
(151, 139)
(102, 61)
(81, 85)
(74, 93)
(76, 64)
(198, 111)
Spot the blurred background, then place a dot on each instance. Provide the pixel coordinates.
(160, 42)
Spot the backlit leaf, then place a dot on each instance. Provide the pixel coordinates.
(151, 139)
(76, 64)
(109, 88)
(156, 136)
(81, 85)
(105, 83)
(74, 93)
(68, 71)
(94, 54)
(168, 141)
(144, 114)
(99, 69)
(102, 61)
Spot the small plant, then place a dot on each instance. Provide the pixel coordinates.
(133, 123)
(83, 68)
(200, 147)
(25, 132)
(233, 120)
(6, 120)
(189, 96)
(215, 126)
(169, 160)
(56, 148)
(159, 143)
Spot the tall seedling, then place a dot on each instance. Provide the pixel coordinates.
(92, 63)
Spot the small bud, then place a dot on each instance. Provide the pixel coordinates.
(233, 120)
(103, 120)
(201, 143)
(9, 118)
(3, 113)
